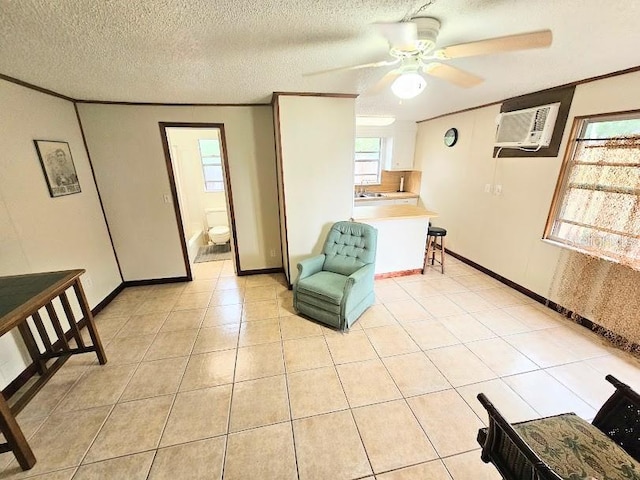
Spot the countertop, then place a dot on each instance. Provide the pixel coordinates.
(391, 212)
(389, 196)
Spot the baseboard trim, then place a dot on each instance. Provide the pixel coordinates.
(579, 319)
(401, 273)
(24, 376)
(258, 271)
(107, 300)
(500, 278)
(19, 381)
(154, 281)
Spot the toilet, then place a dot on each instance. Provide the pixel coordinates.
(217, 224)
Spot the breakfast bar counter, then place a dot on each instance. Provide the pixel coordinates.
(388, 212)
(402, 236)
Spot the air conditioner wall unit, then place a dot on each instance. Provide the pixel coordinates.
(528, 128)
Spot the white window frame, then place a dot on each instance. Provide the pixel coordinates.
(381, 159)
(217, 163)
(600, 232)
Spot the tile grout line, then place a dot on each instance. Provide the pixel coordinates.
(281, 343)
(286, 380)
(403, 397)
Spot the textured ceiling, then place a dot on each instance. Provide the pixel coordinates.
(235, 51)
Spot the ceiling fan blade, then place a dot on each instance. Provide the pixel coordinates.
(384, 82)
(382, 63)
(452, 74)
(522, 41)
(400, 35)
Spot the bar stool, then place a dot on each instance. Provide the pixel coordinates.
(432, 243)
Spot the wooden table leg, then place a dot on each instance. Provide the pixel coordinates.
(15, 437)
(91, 326)
(32, 346)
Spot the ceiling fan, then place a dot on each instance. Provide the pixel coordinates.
(412, 48)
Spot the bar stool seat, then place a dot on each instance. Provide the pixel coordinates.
(432, 243)
(437, 231)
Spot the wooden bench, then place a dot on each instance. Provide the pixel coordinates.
(566, 447)
(21, 298)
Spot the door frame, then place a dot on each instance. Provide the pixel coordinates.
(226, 173)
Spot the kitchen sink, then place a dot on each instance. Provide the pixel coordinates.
(369, 195)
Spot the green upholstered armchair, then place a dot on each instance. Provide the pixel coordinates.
(336, 287)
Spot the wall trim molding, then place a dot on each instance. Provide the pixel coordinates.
(570, 84)
(95, 182)
(161, 104)
(275, 95)
(282, 203)
(260, 271)
(401, 273)
(573, 316)
(35, 87)
(154, 281)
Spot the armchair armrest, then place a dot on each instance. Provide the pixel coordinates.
(310, 266)
(360, 281)
(362, 273)
(619, 417)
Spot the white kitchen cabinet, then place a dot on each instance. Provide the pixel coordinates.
(386, 201)
(401, 148)
(370, 203)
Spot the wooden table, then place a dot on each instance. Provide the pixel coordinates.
(21, 298)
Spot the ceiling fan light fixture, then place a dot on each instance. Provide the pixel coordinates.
(408, 85)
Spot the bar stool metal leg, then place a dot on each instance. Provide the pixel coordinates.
(427, 254)
(442, 254)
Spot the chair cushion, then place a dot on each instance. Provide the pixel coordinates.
(576, 450)
(325, 286)
(349, 246)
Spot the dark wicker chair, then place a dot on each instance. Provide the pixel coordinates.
(566, 447)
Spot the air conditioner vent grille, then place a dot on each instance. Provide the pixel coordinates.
(541, 118)
(517, 127)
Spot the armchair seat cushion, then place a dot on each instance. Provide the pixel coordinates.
(575, 449)
(324, 286)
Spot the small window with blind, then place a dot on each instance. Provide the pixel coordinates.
(596, 207)
(368, 160)
(211, 165)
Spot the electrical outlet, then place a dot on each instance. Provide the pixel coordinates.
(497, 190)
(166, 198)
(86, 279)
(272, 252)
(487, 188)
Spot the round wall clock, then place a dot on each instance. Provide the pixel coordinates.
(451, 137)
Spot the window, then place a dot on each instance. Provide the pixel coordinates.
(211, 165)
(596, 207)
(368, 160)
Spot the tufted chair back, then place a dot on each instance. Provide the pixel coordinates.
(349, 246)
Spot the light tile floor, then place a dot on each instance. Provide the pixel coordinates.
(219, 378)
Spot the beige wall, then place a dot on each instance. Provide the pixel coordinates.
(503, 233)
(126, 151)
(317, 141)
(39, 233)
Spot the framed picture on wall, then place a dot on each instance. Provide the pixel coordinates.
(58, 167)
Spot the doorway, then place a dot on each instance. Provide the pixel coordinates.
(198, 169)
